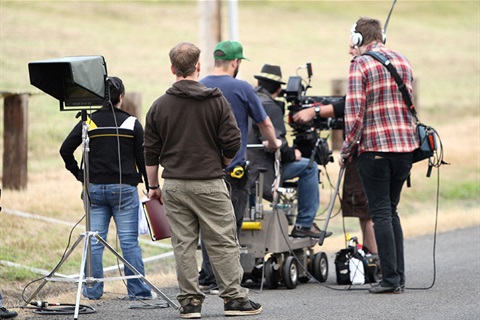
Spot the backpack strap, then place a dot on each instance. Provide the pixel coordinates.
(401, 85)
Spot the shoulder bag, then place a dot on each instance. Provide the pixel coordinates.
(426, 134)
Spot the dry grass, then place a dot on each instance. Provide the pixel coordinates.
(134, 38)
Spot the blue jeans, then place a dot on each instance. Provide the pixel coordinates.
(120, 202)
(308, 194)
(383, 175)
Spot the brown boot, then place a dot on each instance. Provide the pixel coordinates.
(313, 232)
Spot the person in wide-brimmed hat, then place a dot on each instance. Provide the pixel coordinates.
(270, 74)
(293, 164)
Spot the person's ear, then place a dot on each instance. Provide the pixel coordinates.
(173, 70)
(199, 68)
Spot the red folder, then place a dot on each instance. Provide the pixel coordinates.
(156, 219)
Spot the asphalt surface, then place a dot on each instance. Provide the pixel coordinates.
(454, 295)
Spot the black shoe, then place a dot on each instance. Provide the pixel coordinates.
(381, 289)
(7, 314)
(234, 307)
(313, 232)
(192, 310)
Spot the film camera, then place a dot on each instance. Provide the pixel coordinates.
(307, 136)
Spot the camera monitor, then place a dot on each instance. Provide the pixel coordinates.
(77, 82)
(294, 89)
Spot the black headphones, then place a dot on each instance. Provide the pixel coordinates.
(357, 37)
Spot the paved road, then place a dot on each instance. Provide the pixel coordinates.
(455, 294)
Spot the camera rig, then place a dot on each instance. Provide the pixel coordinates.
(307, 136)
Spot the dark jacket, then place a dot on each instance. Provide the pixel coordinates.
(187, 131)
(106, 134)
(260, 158)
(276, 111)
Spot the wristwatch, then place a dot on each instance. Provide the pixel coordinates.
(317, 111)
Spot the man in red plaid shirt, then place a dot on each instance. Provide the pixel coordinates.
(381, 127)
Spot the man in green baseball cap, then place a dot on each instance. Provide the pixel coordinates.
(228, 50)
(245, 104)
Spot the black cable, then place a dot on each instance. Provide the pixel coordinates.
(45, 308)
(435, 162)
(285, 234)
(299, 263)
(437, 159)
(146, 305)
(434, 237)
(58, 263)
(291, 251)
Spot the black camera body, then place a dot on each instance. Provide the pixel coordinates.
(307, 138)
(297, 100)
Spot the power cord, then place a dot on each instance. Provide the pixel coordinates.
(436, 163)
(58, 263)
(46, 308)
(435, 229)
(43, 307)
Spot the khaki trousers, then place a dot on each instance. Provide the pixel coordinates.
(194, 206)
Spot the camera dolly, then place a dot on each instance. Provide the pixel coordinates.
(267, 249)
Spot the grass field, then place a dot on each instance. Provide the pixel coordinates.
(440, 38)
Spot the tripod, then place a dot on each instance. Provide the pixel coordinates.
(86, 264)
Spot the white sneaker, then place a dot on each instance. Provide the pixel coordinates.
(154, 295)
(210, 289)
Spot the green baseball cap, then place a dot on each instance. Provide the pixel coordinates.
(231, 50)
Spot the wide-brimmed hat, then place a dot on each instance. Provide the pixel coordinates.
(231, 50)
(271, 74)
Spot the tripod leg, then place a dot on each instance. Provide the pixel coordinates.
(45, 280)
(132, 268)
(80, 274)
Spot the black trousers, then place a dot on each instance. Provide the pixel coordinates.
(383, 176)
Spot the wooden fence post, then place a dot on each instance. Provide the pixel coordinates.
(339, 88)
(132, 103)
(15, 141)
(210, 31)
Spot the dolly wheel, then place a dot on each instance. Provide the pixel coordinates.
(271, 273)
(320, 266)
(290, 273)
